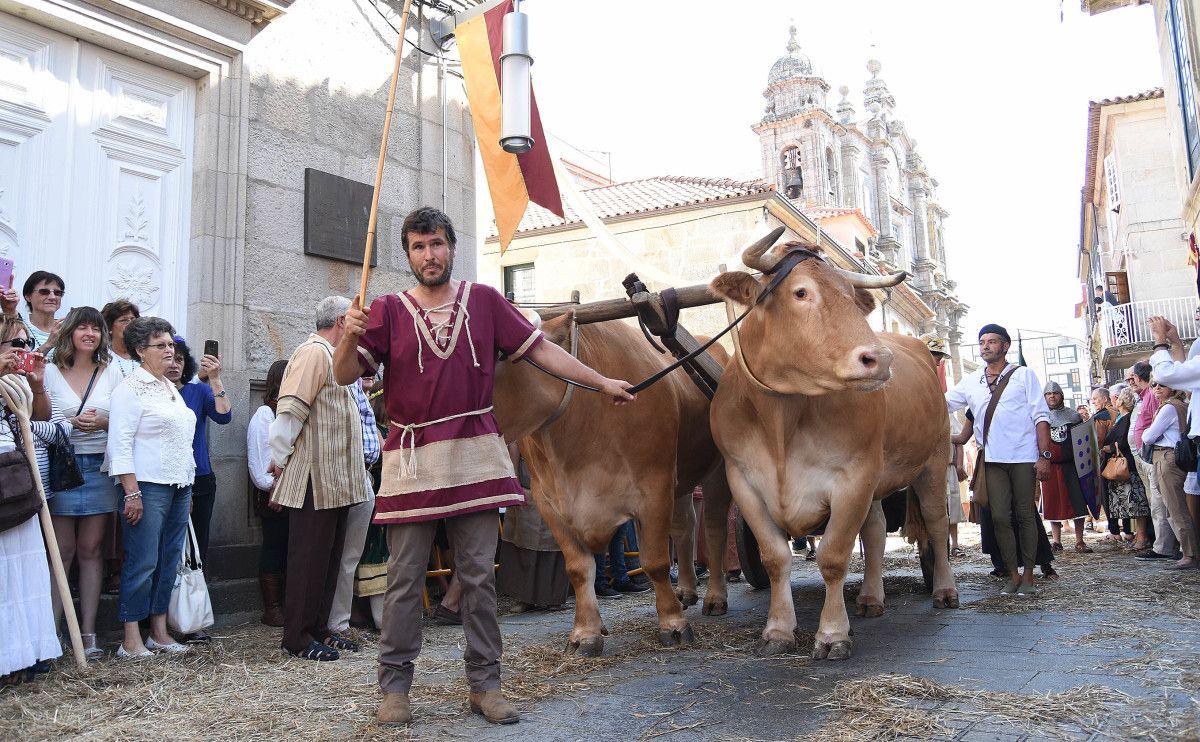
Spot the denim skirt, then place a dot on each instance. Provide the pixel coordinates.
(97, 494)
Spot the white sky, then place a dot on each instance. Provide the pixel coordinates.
(995, 96)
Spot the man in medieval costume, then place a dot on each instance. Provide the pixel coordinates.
(444, 458)
(1062, 495)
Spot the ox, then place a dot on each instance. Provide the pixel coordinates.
(820, 418)
(595, 466)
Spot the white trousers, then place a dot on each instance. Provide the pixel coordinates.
(1164, 538)
(357, 522)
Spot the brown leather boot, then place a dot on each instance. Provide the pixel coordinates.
(394, 710)
(494, 707)
(271, 586)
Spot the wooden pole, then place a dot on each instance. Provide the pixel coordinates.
(387, 127)
(610, 309)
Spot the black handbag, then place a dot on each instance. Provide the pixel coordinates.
(65, 473)
(1185, 449)
(19, 496)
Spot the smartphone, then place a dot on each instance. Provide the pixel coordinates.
(210, 348)
(6, 274)
(27, 361)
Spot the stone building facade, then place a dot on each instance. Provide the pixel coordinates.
(1133, 241)
(156, 150)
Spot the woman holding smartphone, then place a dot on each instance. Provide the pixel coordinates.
(81, 379)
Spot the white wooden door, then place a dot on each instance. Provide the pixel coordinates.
(95, 150)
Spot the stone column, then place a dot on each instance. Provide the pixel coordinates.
(887, 246)
(923, 267)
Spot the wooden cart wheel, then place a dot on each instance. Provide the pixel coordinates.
(748, 554)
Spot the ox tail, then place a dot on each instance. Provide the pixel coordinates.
(915, 530)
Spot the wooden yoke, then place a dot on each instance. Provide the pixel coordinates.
(610, 309)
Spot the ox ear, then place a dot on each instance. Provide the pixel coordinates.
(865, 300)
(558, 330)
(737, 286)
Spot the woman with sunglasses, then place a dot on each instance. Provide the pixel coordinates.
(81, 379)
(43, 292)
(27, 637)
(150, 449)
(1163, 434)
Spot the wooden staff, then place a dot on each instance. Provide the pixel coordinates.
(21, 409)
(387, 127)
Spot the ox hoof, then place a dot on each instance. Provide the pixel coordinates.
(949, 600)
(773, 647)
(715, 607)
(687, 600)
(590, 647)
(838, 650)
(870, 610)
(677, 637)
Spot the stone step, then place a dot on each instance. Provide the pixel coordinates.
(233, 601)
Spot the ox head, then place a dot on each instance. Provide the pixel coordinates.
(810, 336)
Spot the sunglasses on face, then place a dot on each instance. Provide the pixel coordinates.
(48, 292)
(1155, 385)
(19, 343)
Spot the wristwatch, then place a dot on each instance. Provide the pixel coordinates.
(220, 394)
(1047, 455)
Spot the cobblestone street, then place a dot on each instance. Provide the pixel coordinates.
(1114, 642)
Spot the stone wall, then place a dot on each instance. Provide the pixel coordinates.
(318, 82)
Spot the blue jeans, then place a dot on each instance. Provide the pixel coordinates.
(616, 556)
(153, 549)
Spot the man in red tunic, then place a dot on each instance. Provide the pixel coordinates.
(444, 457)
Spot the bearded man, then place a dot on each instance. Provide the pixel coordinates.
(1062, 496)
(444, 457)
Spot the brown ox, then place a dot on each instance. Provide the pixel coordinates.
(825, 418)
(596, 465)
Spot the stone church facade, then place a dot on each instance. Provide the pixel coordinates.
(829, 159)
(856, 185)
(156, 150)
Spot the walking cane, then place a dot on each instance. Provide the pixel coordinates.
(387, 128)
(21, 405)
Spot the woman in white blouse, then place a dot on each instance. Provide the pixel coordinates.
(1163, 435)
(150, 450)
(272, 559)
(81, 379)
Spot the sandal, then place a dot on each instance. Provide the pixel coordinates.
(315, 651)
(342, 642)
(957, 553)
(1056, 546)
(1048, 573)
(90, 651)
(1081, 548)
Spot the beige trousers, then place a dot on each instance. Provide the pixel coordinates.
(1170, 487)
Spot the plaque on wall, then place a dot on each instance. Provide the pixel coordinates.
(336, 212)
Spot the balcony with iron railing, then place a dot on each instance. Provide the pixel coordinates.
(1125, 333)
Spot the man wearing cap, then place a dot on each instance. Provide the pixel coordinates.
(1062, 495)
(1016, 448)
(955, 472)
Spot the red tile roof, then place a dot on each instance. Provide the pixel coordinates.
(641, 196)
(822, 212)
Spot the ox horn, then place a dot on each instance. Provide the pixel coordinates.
(862, 280)
(752, 256)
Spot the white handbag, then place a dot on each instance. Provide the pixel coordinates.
(191, 609)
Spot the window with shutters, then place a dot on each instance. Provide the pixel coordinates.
(1179, 31)
(1112, 182)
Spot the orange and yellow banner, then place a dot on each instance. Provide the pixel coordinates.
(514, 180)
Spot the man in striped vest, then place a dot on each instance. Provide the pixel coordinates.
(317, 458)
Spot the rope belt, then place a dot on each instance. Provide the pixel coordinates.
(408, 459)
